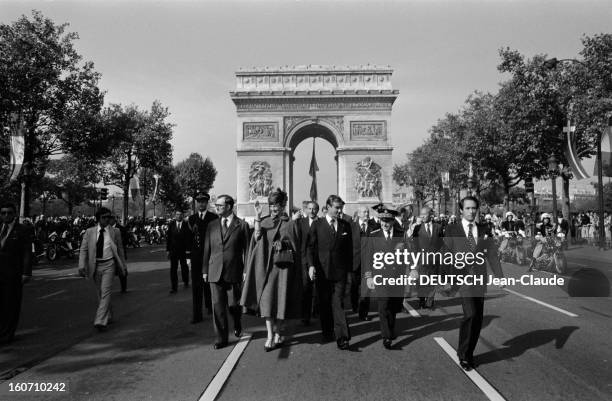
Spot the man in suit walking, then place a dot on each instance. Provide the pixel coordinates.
(198, 222)
(427, 237)
(100, 255)
(362, 227)
(330, 258)
(225, 247)
(179, 239)
(389, 299)
(467, 236)
(304, 224)
(15, 269)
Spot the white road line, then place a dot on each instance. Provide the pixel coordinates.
(537, 301)
(52, 294)
(411, 310)
(214, 387)
(474, 376)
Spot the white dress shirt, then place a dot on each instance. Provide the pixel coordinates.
(335, 222)
(228, 219)
(465, 224)
(107, 252)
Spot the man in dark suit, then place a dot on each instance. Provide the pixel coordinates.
(468, 237)
(389, 299)
(225, 247)
(362, 227)
(179, 240)
(427, 237)
(330, 258)
(304, 224)
(15, 269)
(198, 222)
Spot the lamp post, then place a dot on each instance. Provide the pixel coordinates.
(445, 175)
(156, 176)
(553, 165)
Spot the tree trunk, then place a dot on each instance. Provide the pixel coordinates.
(565, 200)
(144, 194)
(126, 197)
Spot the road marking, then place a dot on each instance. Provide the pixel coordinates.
(474, 376)
(411, 310)
(52, 294)
(216, 384)
(537, 301)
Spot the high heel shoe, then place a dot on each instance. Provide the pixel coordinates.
(269, 346)
(278, 340)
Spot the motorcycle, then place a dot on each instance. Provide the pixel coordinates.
(511, 249)
(548, 254)
(59, 246)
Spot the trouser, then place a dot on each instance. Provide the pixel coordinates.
(11, 294)
(175, 258)
(332, 314)
(360, 304)
(103, 279)
(307, 300)
(471, 323)
(199, 291)
(225, 296)
(387, 309)
(123, 281)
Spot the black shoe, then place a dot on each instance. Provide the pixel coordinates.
(220, 345)
(365, 318)
(173, 291)
(472, 363)
(100, 327)
(465, 365)
(387, 343)
(342, 343)
(238, 331)
(196, 321)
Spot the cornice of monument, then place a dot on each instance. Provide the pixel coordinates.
(314, 69)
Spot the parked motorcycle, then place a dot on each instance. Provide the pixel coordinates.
(59, 245)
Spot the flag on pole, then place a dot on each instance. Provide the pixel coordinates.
(571, 154)
(15, 130)
(313, 173)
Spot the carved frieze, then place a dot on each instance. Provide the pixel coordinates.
(287, 106)
(260, 131)
(368, 178)
(368, 130)
(260, 180)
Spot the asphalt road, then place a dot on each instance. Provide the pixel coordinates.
(537, 343)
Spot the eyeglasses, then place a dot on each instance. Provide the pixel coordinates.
(218, 205)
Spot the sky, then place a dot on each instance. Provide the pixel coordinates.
(185, 54)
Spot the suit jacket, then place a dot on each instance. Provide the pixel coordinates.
(16, 254)
(331, 254)
(198, 229)
(179, 241)
(422, 240)
(87, 253)
(224, 255)
(456, 242)
(357, 234)
(304, 229)
(378, 243)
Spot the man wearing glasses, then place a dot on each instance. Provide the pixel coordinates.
(15, 269)
(225, 247)
(99, 257)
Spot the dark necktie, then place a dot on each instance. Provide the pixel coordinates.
(100, 244)
(3, 233)
(224, 226)
(333, 227)
(363, 228)
(427, 226)
(387, 235)
(470, 238)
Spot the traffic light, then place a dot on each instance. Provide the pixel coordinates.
(103, 193)
(529, 185)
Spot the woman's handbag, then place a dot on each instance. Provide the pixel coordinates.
(283, 258)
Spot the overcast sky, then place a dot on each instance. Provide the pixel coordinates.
(185, 54)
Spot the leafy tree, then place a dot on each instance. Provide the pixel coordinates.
(195, 174)
(73, 180)
(140, 139)
(44, 81)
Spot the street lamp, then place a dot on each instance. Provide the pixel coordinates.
(445, 175)
(156, 176)
(553, 165)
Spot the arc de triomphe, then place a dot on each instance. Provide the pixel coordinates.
(350, 107)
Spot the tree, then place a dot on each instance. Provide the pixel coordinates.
(195, 174)
(74, 180)
(140, 139)
(44, 81)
